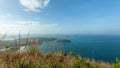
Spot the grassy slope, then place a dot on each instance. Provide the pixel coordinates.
(35, 59)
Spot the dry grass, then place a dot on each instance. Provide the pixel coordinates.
(37, 60)
(24, 60)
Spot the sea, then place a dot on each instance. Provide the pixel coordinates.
(98, 47)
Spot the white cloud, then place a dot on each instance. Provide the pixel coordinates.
(5, 15)
(27, 22)
(34, 5)
(34, 23)
(34, 27)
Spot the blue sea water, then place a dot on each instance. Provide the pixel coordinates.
(98, 47)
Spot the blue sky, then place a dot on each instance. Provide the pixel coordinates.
(60, 16)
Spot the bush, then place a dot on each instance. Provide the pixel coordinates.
(117, 64)
(7, 46)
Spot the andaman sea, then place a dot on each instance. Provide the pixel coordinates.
(98, 47)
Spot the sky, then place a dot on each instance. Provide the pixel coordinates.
(60, 16)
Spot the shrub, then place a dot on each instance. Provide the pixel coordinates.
(117, 64)
(7, 46)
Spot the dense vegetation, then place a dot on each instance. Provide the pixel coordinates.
(35, 59)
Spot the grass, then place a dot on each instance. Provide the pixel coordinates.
(35, 59)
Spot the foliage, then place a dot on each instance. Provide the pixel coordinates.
(117, 64)
(35, 59)
(7, 46)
